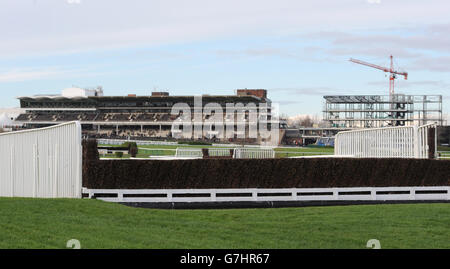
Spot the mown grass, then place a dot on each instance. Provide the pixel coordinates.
(169, 150)
(50, 223)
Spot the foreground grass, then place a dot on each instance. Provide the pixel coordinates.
(49, 223)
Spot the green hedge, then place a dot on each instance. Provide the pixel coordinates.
(263, 173)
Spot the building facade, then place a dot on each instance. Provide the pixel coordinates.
(149, 117)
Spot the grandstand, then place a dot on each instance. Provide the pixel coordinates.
(137, 117)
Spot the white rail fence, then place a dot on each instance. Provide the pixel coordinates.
(285, 194)
(389, 142)
(254, 153)
(238, 153)
(220, 151)
(422, 138)
(187, 152)
(443, 155)
(43, 162)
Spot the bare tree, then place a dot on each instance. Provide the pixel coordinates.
(306, 122)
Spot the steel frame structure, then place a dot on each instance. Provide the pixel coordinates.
(374, 111)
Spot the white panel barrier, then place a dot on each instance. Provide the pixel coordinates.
(440, 193)
(188, 152)
(219, 152)
(43, 162)
(254, 153)
(238, 153)
(388, 142)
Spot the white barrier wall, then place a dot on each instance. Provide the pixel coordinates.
(438, 193)
(389, 142)
(43, 162)
(254, 153)
(189, 152)
(238, 153)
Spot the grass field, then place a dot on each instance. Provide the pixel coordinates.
(50, 223)
(169, 150)
(281, 152)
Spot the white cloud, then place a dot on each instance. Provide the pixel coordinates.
(436, 84)
(432, 64)
(311, 91)
(23, 75)
(26, 74)
(422, 48)
(46, 26)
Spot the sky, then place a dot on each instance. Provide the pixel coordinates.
(296, 49)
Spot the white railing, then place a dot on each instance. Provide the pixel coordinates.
(441, 193)
(254, 153)
(238, 153)
(389, 142)
(43, 162)
(423, 147)
(443, 155)
(220, 152)
(188, 152)
(225, 145)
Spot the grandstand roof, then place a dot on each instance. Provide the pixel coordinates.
(210, 98)
(5, 120)
(175, 98)
(50, 97)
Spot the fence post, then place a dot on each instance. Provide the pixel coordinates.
(12, 171)
(416, 142)
(35, 166)
(55, 172)
(373, 194)
(335, 194)
(412, 193)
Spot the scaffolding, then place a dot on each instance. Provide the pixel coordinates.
(373, 111)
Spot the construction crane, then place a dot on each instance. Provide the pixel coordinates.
(390, 70)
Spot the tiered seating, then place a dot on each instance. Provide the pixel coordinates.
(23, 117)
(115, 117)
(42, 117)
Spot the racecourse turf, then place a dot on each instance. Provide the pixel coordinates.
(50, 223)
